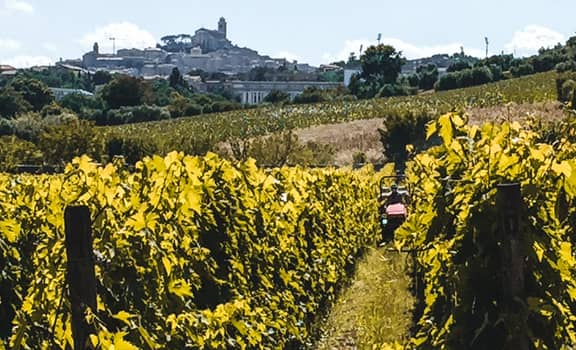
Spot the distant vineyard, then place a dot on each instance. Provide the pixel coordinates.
(191, 252)
(197, 135)
(457, 228)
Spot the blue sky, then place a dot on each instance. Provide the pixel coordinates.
(39, 32)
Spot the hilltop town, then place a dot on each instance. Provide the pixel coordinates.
(207, 50)
(209, 62)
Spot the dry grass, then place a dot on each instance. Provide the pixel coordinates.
(375, 309)
(363, 136)
(348, 139)
(549, 111)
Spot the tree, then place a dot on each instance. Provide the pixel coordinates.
(162, 92)
(448, 82)
(428, 75)
(352, 60)
(381, 66)
(177, 81)
(101, 77)
(260, 74)
(12, 103)
(277, 96)
(33, 91)
(458, 66)
(381, 63)
(126, 91)
(310, 95)
(78, 102)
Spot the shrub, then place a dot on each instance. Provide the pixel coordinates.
(566, 89)
(481, 75)
(72, 138)
(224, 106)
(359, 158)
(566, 66)
(81, 104)
(388, 90)
(52, 109)
(276, 96)
(447, 82)
(400, 130)
(14, 151)
(27, 126)
(522, 69)
(310, 95)
(132, 148)
(136, 114)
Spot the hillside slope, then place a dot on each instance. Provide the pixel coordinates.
(349, 138)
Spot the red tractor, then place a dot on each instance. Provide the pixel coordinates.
(394, 199)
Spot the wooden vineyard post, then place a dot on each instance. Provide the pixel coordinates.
(80, 275)
(509, 204)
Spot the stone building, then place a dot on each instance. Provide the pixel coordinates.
(254, 92)
(212, 40)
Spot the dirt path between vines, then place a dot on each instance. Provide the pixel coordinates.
(376, 309)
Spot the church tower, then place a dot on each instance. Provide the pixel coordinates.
(222, 26)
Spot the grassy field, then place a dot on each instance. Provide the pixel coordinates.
(376, 309)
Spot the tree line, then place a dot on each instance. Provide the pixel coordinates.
(381, 66)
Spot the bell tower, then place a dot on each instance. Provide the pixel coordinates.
(222, 26)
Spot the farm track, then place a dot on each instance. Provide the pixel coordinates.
(375, 309)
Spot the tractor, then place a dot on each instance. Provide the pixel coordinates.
(393, 207)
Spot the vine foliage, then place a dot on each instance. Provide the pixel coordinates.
(456, 226)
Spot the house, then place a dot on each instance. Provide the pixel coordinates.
(59, 93)
(7, 71)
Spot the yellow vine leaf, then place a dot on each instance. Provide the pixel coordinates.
(446, 131)
(10, 229)
(167, 265)
(121, 344)
(562, 168)
(539, 251)
(430, 129)
(180, 288)
(123, 316)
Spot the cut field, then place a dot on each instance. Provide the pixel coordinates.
(356, 136)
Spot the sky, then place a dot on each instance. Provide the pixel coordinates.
(40, 32)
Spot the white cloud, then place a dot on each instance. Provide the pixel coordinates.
(9, 45)
(533, 37)
(408, 50)
(290, 56)
(18, 6)
(27, 61)
(128, 35)
(49, 47)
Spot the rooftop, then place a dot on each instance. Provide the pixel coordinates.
(5, 67)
